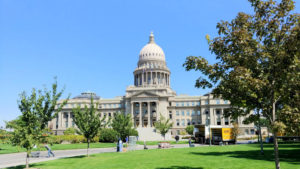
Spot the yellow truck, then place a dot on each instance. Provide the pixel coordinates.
(218, 134)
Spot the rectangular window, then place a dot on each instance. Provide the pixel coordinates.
(178, 132)
(187, 103)
(182, 113)
(206, 112)
(188, 113)
(226, 121)
(218, 121)
(193, 122)
(182, 103)
(206, 101)
(218, 112)
(193, 103)
(182, 122)
(252, 131)
(188, 122)
(199, 121)
(177, 123)
(246, 131)
(198, 112)
(193, 113)
(170, 114)
(218, 101)
(198, 103)
(177, 113)
(225, 101)
(177, 104)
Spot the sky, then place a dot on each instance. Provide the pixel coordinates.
(93, 45)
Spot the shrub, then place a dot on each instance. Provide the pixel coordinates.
(133, 132)
(70, 131)
(108, 135)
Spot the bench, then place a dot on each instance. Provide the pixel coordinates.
(164, 145)
(35, 154)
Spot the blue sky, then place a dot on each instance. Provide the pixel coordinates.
(94, 45)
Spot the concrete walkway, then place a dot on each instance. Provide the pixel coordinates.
(15, 159)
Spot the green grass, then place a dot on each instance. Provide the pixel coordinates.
(156, 142)
(215, 157)
(7, 148)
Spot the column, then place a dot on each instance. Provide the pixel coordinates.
(69, 120)
(157, 112)
(149, 114)
(146, 78)
(140, 112)
(223, 117)
(132, 116)
(61, 120)
(151, 79)
(156, 77)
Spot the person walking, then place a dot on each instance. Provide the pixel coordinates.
(49, 150)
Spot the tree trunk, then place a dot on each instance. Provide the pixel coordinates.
(260, 139)
(27, 160)
(277, 163)
(88, 147)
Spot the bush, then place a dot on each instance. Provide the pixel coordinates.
(68, 138)
(108, 135)
(133, 132)
(70, 131)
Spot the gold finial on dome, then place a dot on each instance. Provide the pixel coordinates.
(151, 37)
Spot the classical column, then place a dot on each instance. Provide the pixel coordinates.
(151, 79)
(156, 78)
(132, 116)
(146, 78)
(149, 114)
(61, 120)
(157, 112)
(140, 112)
(223, 117)
(69, 119)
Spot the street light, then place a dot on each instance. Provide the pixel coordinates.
(208, 118)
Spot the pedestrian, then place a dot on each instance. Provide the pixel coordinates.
(190, 142)
(127, 141)
(49, 150)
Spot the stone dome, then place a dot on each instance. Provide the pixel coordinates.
(152, 51)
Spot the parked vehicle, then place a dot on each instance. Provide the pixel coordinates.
(219, 134)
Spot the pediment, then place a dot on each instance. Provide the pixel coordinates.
(144, 94)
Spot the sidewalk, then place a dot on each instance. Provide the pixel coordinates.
(15, 159)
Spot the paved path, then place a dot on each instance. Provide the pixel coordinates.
(15, 159)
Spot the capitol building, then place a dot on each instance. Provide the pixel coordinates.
(151, 97)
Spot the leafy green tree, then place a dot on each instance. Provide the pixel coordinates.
(70, 131)
(235, 130)
(163, 125)
(257, 62)
(108, 135)
(123, 125)
(190, 129)
(37, 109)
(88, 121)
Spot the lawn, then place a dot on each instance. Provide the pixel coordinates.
(220, 157)
(7, 148)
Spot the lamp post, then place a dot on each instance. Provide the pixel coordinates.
(208, 118)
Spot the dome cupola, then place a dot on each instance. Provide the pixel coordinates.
(151, 51)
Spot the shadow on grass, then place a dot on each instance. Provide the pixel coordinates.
(291, 155)
(180, 167)
(23, 166)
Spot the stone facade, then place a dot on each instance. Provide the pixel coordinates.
(150, 98)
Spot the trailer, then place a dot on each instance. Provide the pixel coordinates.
(218, 134)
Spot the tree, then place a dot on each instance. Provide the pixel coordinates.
(37, 109)
(123, 125)
(235, 130)
(163, 125)
(88, 121)
(257, 62)
(190, 129)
